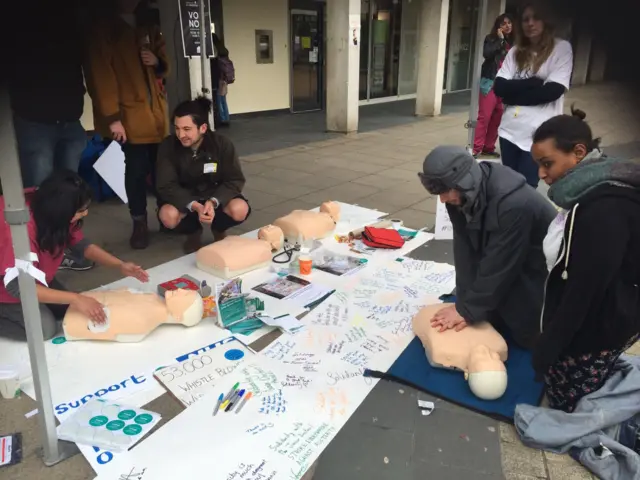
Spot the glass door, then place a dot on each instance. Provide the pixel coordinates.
(460, 46)
(408, 65)
(380, 48)
(306, 60)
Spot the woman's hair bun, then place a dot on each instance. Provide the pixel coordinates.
(576, 112)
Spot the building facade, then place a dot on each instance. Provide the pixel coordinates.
(335, 55)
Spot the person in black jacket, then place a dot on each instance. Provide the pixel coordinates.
(591, 312)
(498, 226)
(199, 178)
(46, 89)
(496, 46)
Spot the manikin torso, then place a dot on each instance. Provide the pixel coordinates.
(479, 351)
(235, 255)
(132, 315)
(302, 225)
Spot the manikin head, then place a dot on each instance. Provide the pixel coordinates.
(561, 143)
(184, 306)
(332, 209)
(451, 173)
(272, 235)
(486, 374)
(191, 121)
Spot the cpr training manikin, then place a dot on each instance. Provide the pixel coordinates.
(235, 255)
(477, 350)
(301, 225)
(132, 315)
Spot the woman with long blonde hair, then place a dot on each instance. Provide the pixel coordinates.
(531, 82)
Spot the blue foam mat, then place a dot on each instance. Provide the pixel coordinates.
(413, 369)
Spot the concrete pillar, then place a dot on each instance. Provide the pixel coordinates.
(432, 45)
(598, 62)
(494, 8)
(581, 57)
(343, 65)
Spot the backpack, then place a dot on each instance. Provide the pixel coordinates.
(227, 70)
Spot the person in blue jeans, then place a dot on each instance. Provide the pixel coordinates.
(46, 88)
(222, 74)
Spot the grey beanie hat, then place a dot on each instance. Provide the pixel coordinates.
(454, 167)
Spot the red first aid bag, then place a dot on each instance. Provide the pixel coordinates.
(382, 238)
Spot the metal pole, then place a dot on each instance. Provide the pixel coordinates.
(477, 66)
(203, 48)
(17, 216)
(203, 57)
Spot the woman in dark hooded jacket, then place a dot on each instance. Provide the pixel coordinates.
(591, 311)
(490, 108)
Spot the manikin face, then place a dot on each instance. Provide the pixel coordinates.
(532, 26)
(506, 26)
(554, 163)
(452, 197)
(179, 301)
(273, 235)
(189, 134)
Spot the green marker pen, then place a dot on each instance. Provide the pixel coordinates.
(231, 392)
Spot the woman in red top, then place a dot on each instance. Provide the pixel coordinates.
(57, 209)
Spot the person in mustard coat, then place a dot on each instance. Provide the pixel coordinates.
(125, 67)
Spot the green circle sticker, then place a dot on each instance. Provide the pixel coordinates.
(132, 429)
(58, 340)
(126, 415)
(115, 425)
(98, 421)
(142, 419)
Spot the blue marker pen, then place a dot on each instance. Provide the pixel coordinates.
(215, 410)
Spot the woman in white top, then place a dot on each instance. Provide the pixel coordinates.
(531, 82)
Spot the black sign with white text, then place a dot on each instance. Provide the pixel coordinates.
(190, 22)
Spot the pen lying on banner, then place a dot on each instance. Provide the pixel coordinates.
(218, 403)
(234, 398)
(244, 400)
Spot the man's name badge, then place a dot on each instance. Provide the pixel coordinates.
(210, 167)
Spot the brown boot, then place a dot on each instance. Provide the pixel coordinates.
(217, 236)
(193, 243)
(140, 237)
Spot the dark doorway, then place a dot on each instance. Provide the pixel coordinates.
(307, 55)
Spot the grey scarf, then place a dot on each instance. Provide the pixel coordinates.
(593, 171)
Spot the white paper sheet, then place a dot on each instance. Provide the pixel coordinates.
(444, 228)
(110, 166)
(288, 323)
